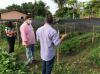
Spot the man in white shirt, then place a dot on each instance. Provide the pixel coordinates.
(48, 38)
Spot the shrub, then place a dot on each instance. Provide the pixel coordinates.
(10, 65)
(77, 43)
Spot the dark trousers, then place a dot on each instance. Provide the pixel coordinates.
(47, 66)
(11, 43)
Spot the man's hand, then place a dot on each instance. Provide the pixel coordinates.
(64, 35)
(25, 46)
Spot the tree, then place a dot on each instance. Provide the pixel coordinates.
(40, 8)
(72, 4)
(92, 8)
(14, 7)
(27, 7)
(60, 3)
(81, 7)
(66, 13)
(37, 9)
(69, 10)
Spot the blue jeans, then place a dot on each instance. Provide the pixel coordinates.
(30, 52)
(47, 66)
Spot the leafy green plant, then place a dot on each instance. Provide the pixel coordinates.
(78, 43)
(2, 32)
(10, 65)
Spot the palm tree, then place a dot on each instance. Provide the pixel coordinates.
(72, 4)
(60, 3)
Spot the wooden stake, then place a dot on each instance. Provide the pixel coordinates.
(93, 34)
(18, 37)
(58, 55)
(65, 28)
(58, 48)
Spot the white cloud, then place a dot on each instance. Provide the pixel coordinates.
(53, 6)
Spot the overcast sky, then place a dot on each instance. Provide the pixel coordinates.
(53, 6)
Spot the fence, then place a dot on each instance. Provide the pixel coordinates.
(63, 25)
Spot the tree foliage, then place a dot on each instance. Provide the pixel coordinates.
(91, 8)
(60, 3)
(67, 9)
(67, 13)
(37, 9)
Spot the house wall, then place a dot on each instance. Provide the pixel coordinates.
(12, 15)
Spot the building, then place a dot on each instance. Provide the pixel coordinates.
(12, 15)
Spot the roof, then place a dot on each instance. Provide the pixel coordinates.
(6, 11)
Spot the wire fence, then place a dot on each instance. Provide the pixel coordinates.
(63, 25)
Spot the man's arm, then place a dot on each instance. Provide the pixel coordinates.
(56, 39)
(24, 36)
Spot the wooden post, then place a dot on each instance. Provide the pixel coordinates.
(70, 29)
(58, 55)
(74, 27)
(58, 58)
(18, 37)
(93, 34)
(65, 28)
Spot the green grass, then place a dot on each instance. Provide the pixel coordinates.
(86, 61)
